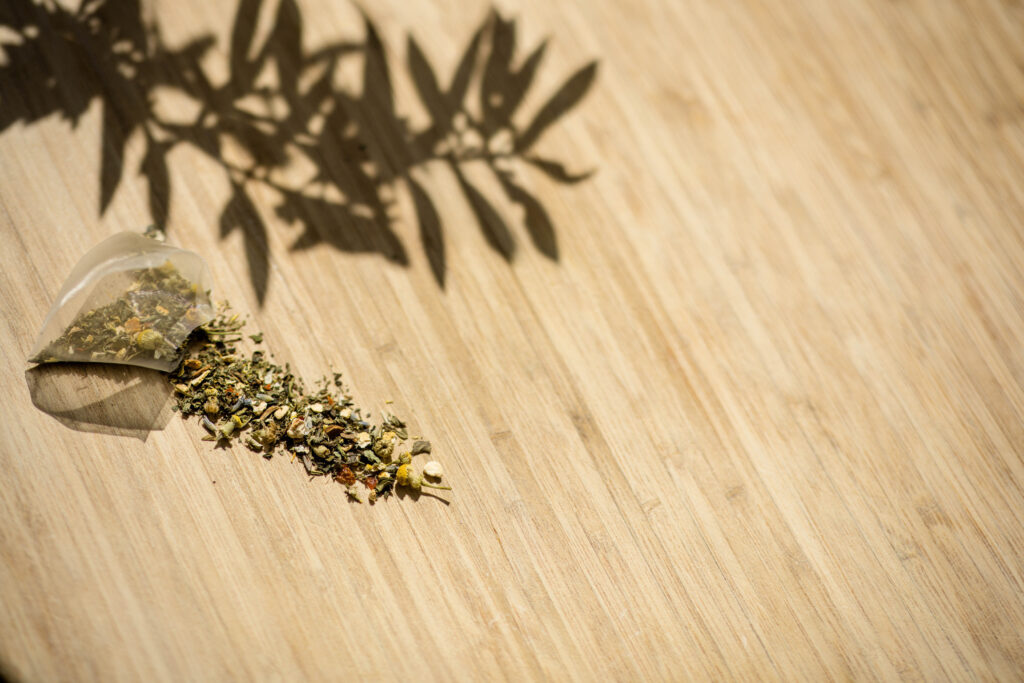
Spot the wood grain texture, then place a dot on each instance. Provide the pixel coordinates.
(762, 419)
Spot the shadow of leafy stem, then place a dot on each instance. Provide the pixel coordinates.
(281, 102)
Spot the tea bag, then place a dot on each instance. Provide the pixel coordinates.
(131, 300)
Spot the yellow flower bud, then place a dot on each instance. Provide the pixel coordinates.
(149, 340)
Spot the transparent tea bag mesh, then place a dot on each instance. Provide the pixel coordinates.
(130, 300)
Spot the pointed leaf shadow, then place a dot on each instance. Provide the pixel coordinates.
(376, 73)
(154, 168)
(258, 258)
(464, 71)
(385, 134)
(241, 213)
(538, 223)
(567, 97)
(557, 171)
(520, 84)
(495, 230)
(285, 45)
(430, 229)
(497, 74)
(244, 72)
(112, 140)
(426, 84)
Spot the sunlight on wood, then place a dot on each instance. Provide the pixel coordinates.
(712, 312)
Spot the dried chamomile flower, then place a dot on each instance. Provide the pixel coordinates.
(385, 446)
(406, 476)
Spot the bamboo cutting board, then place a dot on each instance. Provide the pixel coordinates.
(712, 310)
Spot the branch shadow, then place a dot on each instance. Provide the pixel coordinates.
(282, 108)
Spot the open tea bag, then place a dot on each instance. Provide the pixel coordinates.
(130, 300)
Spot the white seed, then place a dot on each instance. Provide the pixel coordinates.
(433, 469)
(297, 429)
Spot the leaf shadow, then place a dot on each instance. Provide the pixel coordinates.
(241, 214)
(283, 107)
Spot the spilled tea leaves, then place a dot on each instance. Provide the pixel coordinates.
(160, 315)
(248, 398)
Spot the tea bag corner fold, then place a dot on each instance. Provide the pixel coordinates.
(130, 300)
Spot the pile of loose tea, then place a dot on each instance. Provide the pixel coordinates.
(239, 397)
(248, 398)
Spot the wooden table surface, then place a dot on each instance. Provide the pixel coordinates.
(718, 336)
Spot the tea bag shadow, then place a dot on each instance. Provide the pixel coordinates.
(121, 400)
